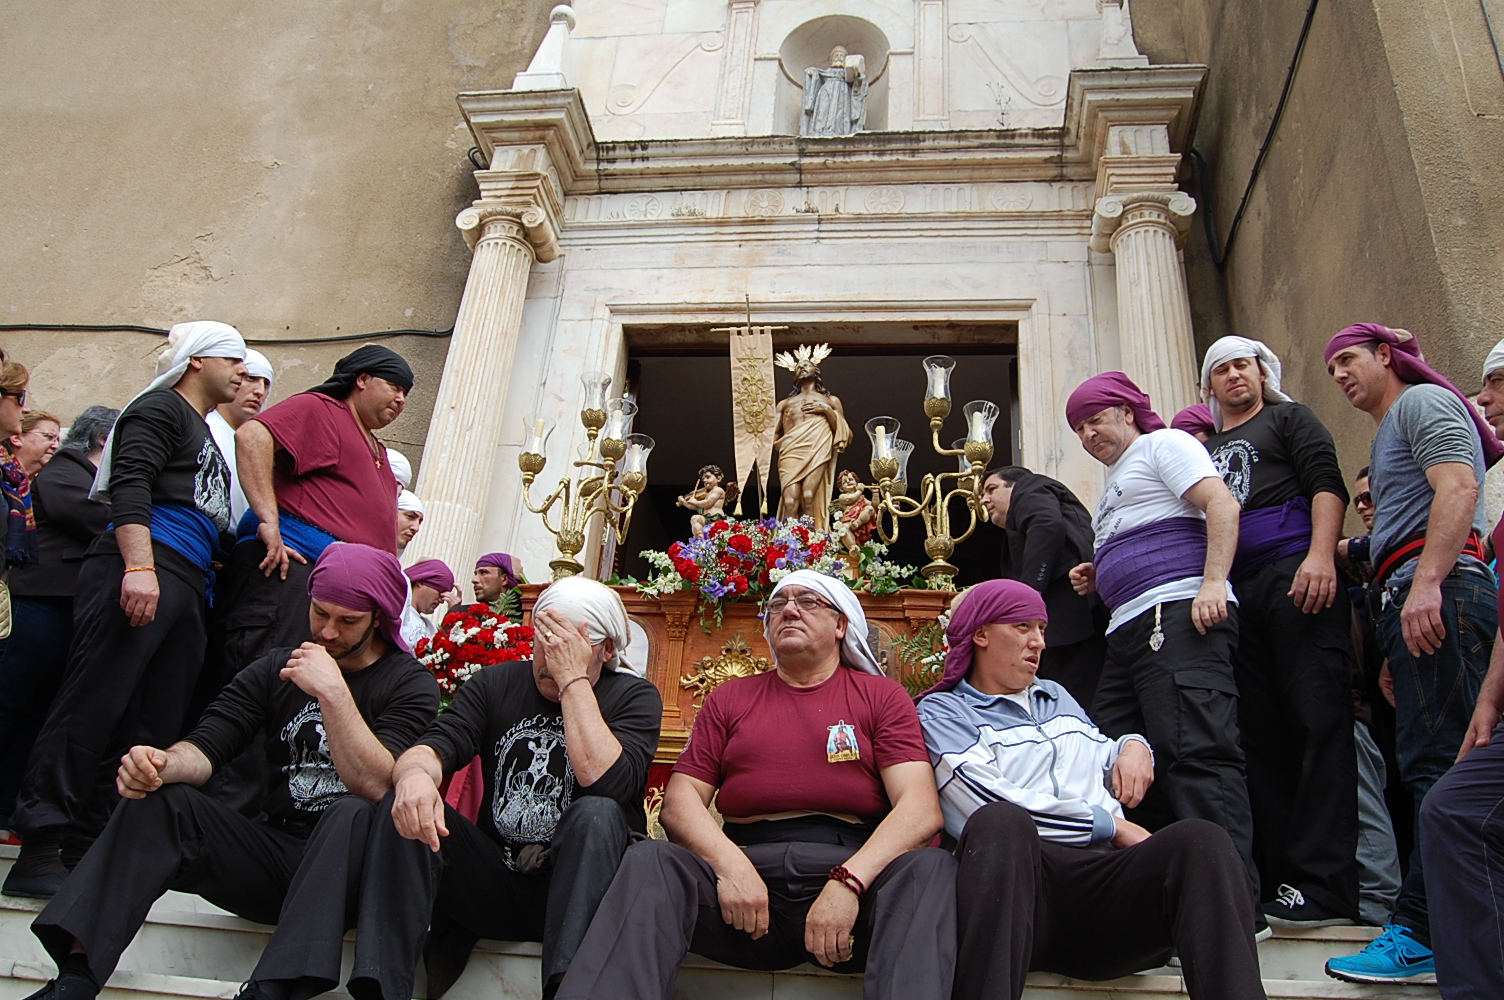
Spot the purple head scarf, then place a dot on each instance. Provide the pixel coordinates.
(432, 573)
(1405, 359)
(361, 578)
(1195, 420)
(501, 560)
(1004, 602)
(1111, 389)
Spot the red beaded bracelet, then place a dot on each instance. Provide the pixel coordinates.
(840, 874)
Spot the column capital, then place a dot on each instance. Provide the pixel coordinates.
(500, 220)
(1117, 213)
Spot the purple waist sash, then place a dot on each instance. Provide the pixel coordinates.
(1270, 534)
(1135, 561)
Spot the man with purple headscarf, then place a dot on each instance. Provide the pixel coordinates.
(1294, 659)
(335, 712)
(1166, 529)
(1437, 617)
(1026, 784)
(495, 575)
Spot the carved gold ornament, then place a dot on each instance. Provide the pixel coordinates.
(736, 660)
(754, 396)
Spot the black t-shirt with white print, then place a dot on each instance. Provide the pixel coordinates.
(397, 697)
(165, 454)
(1284, 452)
(500, 716)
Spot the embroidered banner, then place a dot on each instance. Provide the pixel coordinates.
(752, 407)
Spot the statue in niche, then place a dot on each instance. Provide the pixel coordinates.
(835, 98)
(812, 432)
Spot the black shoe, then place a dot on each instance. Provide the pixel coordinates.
(1292, 909)
(262, 990)
(66, 987)
(38, 871)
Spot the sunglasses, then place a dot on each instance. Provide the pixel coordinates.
(1364, 499)
(19, 397)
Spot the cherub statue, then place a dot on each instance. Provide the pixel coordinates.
(709, 499)
(857, 517)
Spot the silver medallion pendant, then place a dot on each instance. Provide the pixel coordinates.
(1157, 637)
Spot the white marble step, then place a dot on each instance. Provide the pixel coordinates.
(189, 948)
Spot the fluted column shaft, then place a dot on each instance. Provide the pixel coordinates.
(1145, 232)
(465, 431)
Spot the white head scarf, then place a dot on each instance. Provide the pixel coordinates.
(596, 605)
(203, 338)
(401, 468)
(1494, 361)
(256, 366)
(408, 500)
(855, 651)
(1230, 349)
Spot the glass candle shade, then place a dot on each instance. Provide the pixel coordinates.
(937, 370)
(593, 402)
(980, 416)
(901, 452)
(613, 441)
(633, 467)
(535, 432)
(883, 431)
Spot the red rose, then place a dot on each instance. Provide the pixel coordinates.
(817, 550)
(718, 528)
(740, 542)
(691, 573)
(675, 549)
(803, 534)
(737, 583)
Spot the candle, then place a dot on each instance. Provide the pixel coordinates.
(978, 427)
(937, 383)
(881, 449)
(634, 458)
(538, 429)
(614, 426)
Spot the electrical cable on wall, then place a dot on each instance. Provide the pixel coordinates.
(271, 341)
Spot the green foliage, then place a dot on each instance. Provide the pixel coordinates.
(921, 657)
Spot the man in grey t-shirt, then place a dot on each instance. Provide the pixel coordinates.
(1437, 617)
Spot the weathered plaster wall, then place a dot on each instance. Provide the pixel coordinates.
(292, 169)
(1382, 196)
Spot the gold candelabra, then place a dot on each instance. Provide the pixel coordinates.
(890, 459)
(607, 481)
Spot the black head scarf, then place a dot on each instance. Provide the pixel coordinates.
(372, 359)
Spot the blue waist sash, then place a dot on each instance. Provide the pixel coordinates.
(1134, 562)
(311, 541)
(1270, 534)
(188, 532)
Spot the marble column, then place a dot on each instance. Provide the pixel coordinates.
(465, 431)
(1145, 231)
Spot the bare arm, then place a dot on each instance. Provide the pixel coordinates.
(1315, 584)
(417, 807)
(139, 592)
(1490, 703)
(145, 769)
(686, 818)
(1212, 496)
(363, 762)
(255, 457)
(568, 656)
(1447, 528)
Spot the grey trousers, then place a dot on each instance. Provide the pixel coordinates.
(1378, 857)
(663, 905)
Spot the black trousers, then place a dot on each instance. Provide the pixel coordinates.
(1183, 697)
(663, 905)
(1077, 667)
(1295, 717)
(1026, 904)
(124, 685)
(260, 614)
(471, 894)
(178, 838)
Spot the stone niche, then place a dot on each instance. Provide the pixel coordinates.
(810, 45)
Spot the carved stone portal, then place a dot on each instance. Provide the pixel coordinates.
(835, 98)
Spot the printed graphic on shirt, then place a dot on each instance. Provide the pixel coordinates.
(1105, 523)
(1235, 461)
(312, 780)
(534, 783)
(841, 744)
(211, 485)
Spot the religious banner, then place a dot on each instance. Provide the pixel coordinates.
(752, 407)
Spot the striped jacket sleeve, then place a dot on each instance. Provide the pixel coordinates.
(969, 777)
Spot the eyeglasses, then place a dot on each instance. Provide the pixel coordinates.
(49, 438)
(806, 602)
(1364, 499)
(19, 397)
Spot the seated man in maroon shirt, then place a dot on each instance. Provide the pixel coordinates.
(825, 786)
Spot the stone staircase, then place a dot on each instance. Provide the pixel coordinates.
(191, 949)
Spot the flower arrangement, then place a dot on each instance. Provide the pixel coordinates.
(470, 637)
(737, 559)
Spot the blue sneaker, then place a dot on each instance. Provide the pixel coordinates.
(1392, 957)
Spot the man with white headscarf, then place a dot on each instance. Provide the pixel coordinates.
(410, 514)
(140, 607)
(824, 782)
(1294, 657)
(566, 741)
(226, 418)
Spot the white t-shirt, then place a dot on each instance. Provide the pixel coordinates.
(224, 439)
(1147, 484)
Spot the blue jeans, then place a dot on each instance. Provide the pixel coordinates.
(31, 668)
(1434, 695)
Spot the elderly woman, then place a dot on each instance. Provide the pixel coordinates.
(42, 595)
(41, 434)
(565, 741)
(826, 789)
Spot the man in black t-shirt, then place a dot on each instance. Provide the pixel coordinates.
(335, 713)
(1294, 659)
(139, 610)
(565, 742)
